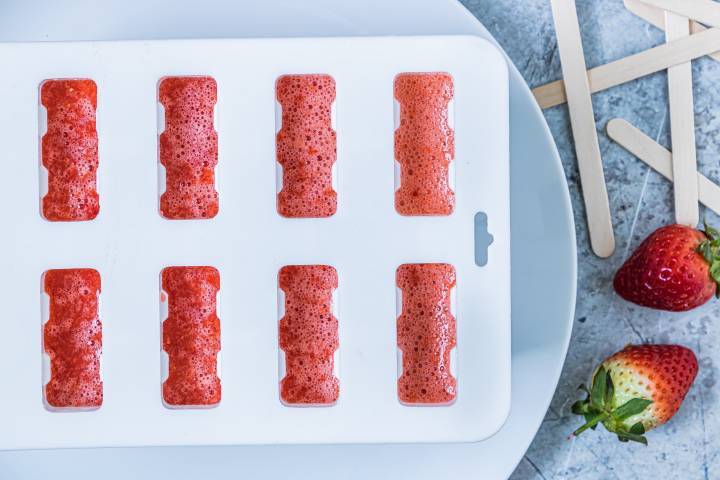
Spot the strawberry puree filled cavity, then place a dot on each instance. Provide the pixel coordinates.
(72, 338)
(424, 144)
(70, 150)
(189, 148)
(309, 335)
(306, 146)
(426, 333)
(191, 336)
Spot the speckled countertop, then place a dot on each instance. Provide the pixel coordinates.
(640, 200)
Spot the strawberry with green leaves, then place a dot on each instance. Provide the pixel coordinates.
(637, 389)
(677, 268)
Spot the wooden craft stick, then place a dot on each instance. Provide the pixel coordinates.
(656, 17)
(659, 158)
(636, 66)
(682, 128)
(582, 119)
(704, 11)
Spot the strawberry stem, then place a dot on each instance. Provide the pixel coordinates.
(599, 406)
(592, 423)
(710, 250)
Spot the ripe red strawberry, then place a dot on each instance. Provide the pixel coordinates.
(637, 389)
(676, 268)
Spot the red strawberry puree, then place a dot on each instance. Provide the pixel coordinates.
(309, 335)
(426, 333)
(305, 146)
(191, 336)
(424, 144)
(73, 339)
(189, 148)
(70, 150)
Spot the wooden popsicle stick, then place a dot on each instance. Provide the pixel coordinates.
(656, 17)
(582, 119)
(635, 66)
(659, 158)
(682, 128)
(704, 11)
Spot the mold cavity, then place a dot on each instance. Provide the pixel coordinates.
(453, 301)
(398, 175)
(163, 304)
(333, 173)
(333, 119)
(451, 175)
(44, 316)
(160, 118)
(43, 184)
(307, 149)
(181, 276)
(215, 116)
(278, 167)
(453, 362)
(278, 178)
(46, 376)
(66, 105)
(453, 310)
(398, 301)
(218, 364)
(42, 120)
(187, 146)
(305, 378)
(451, 124)
(46, 363)
(164, 358)
(451, 113)
(281, 365)
(280, 315)
(396, 124)
(278, 116)
(219, 306)
(421, 105)
(162, 178)
(281, 303)
(44, 301)
(162, 181)
(420, 323)
(219, 313)
(399, 360)
(102, 357)
(398, 312)
(483, 239)
(42, 130)
(164, 366)
(396, 114)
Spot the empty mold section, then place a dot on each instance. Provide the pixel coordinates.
(191, 337)
(306, 146)
(72, 340)
(426, 334)
(188, 147)
(69, 150)
(424, 144)
(308, 335)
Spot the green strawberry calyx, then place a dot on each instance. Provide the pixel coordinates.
(710, 250)
(599, 407)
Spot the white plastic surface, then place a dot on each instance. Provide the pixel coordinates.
(129, 243)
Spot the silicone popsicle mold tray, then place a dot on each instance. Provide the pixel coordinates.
(248, 242)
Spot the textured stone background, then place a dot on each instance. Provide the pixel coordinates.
(640, 200)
